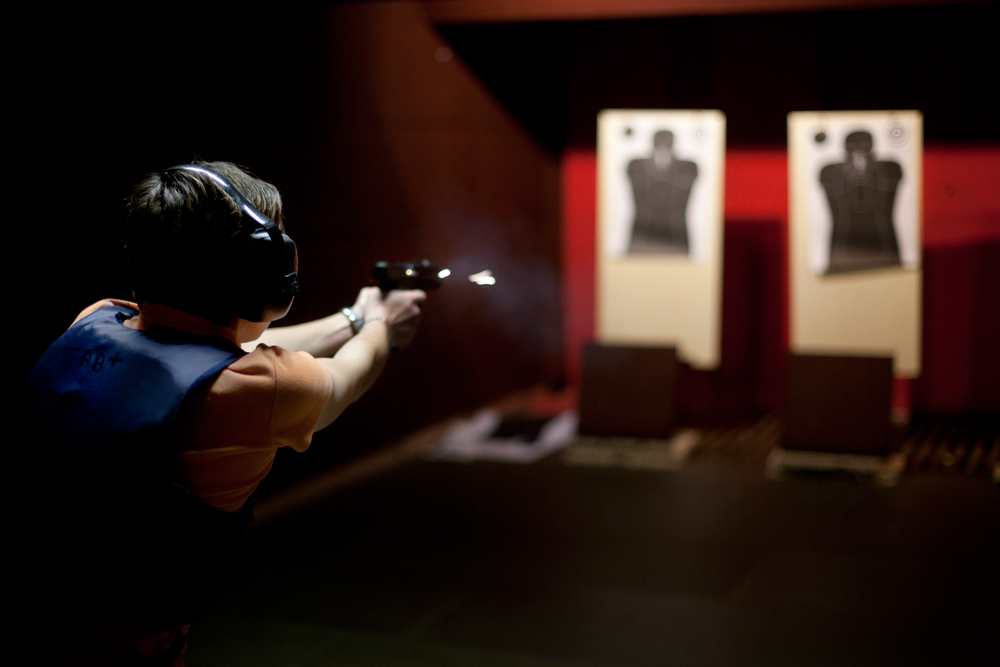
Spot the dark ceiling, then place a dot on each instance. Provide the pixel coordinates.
(555, 76)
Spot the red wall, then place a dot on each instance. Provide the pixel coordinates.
(961, 280)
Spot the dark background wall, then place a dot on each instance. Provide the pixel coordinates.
(756, 67)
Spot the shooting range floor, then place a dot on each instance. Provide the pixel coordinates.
(435, 563)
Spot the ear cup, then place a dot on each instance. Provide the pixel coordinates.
(268, 287)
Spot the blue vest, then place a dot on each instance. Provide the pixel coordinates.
(128, 535)
(102, 383)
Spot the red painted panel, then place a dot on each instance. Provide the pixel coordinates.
(961, 195)
(756, 185)
(579, 210)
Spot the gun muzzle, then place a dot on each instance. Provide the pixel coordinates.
(404, 275)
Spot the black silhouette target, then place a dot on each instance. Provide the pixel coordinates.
(863, 207)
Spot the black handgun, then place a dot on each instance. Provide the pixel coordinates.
(404, 275)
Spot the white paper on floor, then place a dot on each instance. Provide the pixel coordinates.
(469, 440)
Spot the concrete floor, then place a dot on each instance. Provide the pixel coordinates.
(554, 565)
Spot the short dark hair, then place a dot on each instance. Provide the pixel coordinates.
(182, 237)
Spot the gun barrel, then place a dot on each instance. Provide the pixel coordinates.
(406, 275)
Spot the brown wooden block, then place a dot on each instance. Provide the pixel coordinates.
(838, 404)
(628, 391)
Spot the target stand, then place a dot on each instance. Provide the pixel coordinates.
(838, 418)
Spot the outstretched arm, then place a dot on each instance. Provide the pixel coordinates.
(390, 322)
(354, 362)
(320, 338)
(324, 337)
(354, 369)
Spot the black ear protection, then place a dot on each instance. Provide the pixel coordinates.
(268, 260)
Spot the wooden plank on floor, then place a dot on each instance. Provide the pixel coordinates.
(634, 453)
(883, 470)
